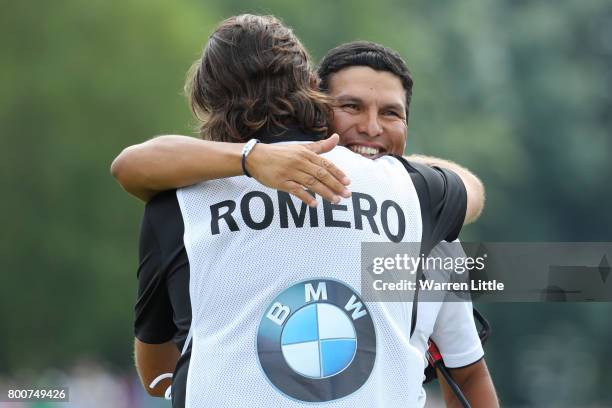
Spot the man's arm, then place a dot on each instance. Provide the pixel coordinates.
(475, 383)
(167, 162)
(456, 337)
(153, 360)
(162, 313)
(473, 186)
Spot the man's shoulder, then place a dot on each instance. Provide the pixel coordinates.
(163, 213)
(415, 168)
(437, 180)
(162, 202)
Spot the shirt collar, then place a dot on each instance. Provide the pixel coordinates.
(288, 134)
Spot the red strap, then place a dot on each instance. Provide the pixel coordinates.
(433, 354)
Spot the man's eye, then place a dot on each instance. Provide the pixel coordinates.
(349, 106)
(392, 113)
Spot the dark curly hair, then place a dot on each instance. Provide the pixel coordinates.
(254, 74)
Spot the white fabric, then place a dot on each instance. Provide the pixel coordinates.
(235, 275)
(450, 324)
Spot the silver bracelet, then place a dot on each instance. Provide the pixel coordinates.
(246, 150)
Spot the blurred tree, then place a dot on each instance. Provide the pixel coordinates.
(516, 90)
(80, 81)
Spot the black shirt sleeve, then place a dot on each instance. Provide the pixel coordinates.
(443, 200)
(163, 309)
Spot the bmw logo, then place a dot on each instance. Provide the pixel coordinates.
(316, 341)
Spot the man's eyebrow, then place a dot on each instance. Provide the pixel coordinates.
(352, 98)
(394, 106)
(348, 98)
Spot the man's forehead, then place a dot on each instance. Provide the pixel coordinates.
(361, 81)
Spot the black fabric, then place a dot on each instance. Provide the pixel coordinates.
(163, 308)
(443, 202)
(430, 374)
(289, 134)
(179, 380)
(448, 200)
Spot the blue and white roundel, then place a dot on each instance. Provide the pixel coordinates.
(319, 341)
(316, 341)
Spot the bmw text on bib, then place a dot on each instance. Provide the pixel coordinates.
(316, 341)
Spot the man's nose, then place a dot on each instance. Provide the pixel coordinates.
(370, 124)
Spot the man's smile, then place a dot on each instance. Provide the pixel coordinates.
(370, 152)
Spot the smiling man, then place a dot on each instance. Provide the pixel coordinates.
(371, 89)
(371, 112)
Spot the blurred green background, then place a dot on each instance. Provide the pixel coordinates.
(518, 91)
